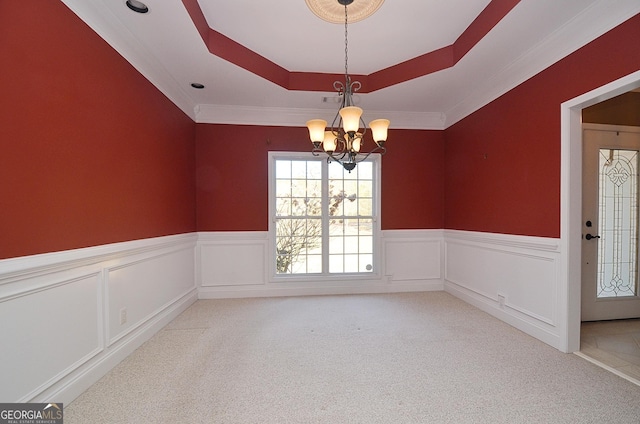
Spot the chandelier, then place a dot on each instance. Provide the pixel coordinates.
(343, 141)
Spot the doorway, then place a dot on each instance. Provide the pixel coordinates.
(571, 204)
(610, 307)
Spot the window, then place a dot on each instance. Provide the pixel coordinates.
(324, 219)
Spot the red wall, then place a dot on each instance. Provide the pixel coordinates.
(502, 163)
(91, 152)
(232, 176)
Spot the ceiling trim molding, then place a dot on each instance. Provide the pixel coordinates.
(430, 62)
(108, 27)
(595, 21)
(292, 117)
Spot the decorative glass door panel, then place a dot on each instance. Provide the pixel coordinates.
(610, 222)
(618, 209)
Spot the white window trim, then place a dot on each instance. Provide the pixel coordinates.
(377, 272)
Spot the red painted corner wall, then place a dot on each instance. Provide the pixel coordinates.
(502, 163)
(91, 152)
(232, 176)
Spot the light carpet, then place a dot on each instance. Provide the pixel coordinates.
(391, 358)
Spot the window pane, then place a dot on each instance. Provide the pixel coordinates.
(351, 227)
(365, 244)
(365, 171)
(351, 244)
(283, 169)
(365, 189)
(350, 263)
(299, 207)
(336, 244)
(335, 171)
(351, 189)
(365, 227)
(365, 207)
(299, 169)
(283, 188)
(366, 263)
(314, 170)
(314, 264)
(314, 188)
(336, 263)
(336, 227)
(336, 207)
(351, 206)
(299, 188)
(335, 187)
(283, 207)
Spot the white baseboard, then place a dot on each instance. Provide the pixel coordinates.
(314, 290)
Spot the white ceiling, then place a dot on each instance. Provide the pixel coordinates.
(165, 46)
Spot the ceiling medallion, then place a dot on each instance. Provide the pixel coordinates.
(333, 11)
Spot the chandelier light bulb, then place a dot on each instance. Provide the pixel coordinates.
(330, 143)
(350, 118)
(316, 130)
(356, 143)
(379, 128)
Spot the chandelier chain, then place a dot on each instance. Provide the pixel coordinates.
(346, 44)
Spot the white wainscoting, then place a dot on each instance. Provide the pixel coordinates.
(514, 278)
(235, 264)
(60, 312)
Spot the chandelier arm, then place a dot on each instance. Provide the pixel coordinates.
(339, 158)
(357, 158)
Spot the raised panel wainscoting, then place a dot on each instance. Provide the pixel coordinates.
(514, 278)
(69, 317)
(235, 264)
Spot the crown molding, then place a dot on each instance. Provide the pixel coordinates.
(100, 18)
(297, 117)
(595, 21)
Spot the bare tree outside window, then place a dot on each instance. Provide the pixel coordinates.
(295, 236)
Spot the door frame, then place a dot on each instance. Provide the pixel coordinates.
(571, 203)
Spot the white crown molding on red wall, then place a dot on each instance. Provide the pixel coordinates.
(297, 117)
(595, 21)
(600, 17)
(104, 23)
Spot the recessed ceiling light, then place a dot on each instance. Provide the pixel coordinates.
(137, 6)
(197, 85)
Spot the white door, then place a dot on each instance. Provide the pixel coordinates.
(610, 220)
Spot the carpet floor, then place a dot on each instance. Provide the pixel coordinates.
(391, 358)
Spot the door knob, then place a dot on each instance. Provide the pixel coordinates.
(589, 237)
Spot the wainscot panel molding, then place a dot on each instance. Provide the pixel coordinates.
(69, 317)
(514, 278)
(235, 264)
